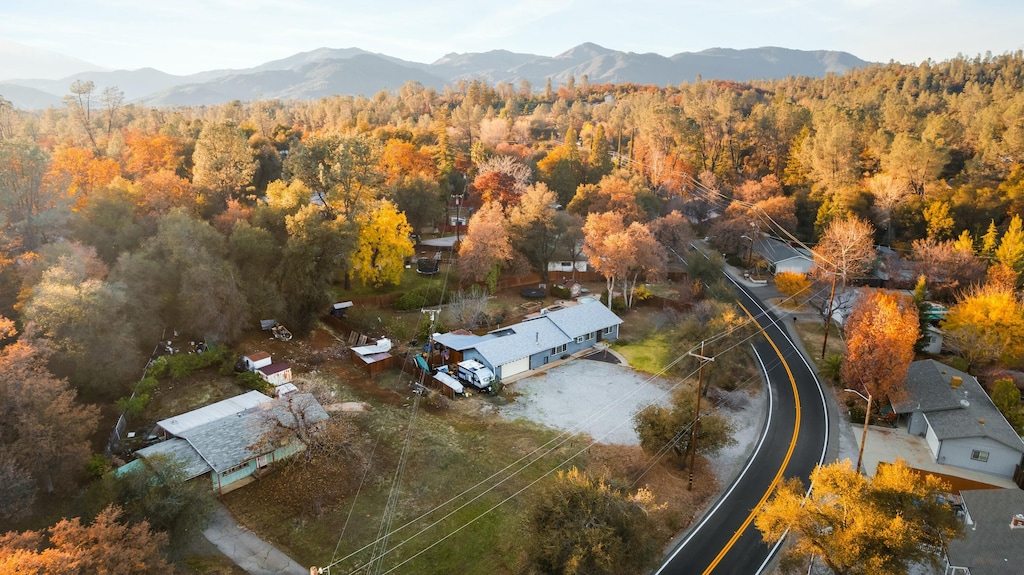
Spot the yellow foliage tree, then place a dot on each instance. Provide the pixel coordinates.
(857, 525)
(985, 326)
(383, 245)
(793, 285)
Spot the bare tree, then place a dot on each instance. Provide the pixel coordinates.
(79, 103)
(845, 251)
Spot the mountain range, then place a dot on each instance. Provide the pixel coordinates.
(353, 71)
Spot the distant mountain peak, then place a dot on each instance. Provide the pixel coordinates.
(21, 61)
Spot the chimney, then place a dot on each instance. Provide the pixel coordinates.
(1017, 521)
(956, 381)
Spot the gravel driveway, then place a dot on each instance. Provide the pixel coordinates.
(586, 396)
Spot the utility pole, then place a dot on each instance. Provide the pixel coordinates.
(828, 314)
(696, 415)
(458, 216)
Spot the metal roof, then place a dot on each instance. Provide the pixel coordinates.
(181, 451)
(273, 368)
(237, 438)
(990, 547)
(180, 423)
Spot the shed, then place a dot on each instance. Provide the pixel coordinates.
(255, 361)
(374, 363)
(448, 385)
(276, 373)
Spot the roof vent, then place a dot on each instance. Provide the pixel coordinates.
(956, 381)
(981, 421)
(964, 403)
(1017, 522)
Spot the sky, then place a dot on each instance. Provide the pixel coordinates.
(187, 36)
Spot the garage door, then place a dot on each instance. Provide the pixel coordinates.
(513, 367)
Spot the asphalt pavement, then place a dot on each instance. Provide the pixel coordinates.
(794, 441)
(248, 551)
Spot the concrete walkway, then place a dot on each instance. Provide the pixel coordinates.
(248, 551)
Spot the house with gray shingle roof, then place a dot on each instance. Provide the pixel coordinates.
(540, 339)
(994, 534)
(962, 426)
(236, 447)
(782, 257)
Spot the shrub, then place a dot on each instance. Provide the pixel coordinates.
(423, 296)
(618, 304)
(251, 380)
(793, 285)
(832, 367)
(641, 293)
(958, 363)
(146, 385)
(97, 465)
(134, 405)
(560, 292)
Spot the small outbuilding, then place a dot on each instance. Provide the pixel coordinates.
(276, 374)
(255, 361)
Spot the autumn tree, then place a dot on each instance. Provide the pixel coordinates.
(223, 161)
(562, 168)
(674, 232)
(1010, 252)
(402, 159)
(75, 172)
(845, 251)
(984, 327)
(145, 153)
(383, 245)
(42, 426)
(585, 525)
(535, 227)
(107, 545)
(890, 194)
(107, 221)
(794, 285)
(343, 171)
(606, 247)
(486, 245)
(939, 220)
(948, 268)
(861, 526)
(661, 428)
(79, 103)
(881, 331)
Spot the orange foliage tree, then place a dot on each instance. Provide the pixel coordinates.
(145, 154)
(104, 546)
(401, 158)
(74, 172)
(486, 246)
(880, 335)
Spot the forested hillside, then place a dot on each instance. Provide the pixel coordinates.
(120, 221)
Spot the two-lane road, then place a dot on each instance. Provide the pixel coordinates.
(793, 442)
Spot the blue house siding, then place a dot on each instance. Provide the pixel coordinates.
(223, 481)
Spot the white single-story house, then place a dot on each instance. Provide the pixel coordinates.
(962, 426)
(234, 446)
(993, 542)
(782, 257)
(553, 333)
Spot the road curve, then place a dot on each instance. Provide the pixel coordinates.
(792, 443)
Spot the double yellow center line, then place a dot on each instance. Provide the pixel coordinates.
(782, 468)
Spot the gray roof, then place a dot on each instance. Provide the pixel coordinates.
(521, 340)
(460, 342)
(180, 450)
(966, 411)
(775, 251)
(990, 546)
(180, 423)
(237, 438)
(583, 318)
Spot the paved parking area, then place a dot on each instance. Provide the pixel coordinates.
(587, 396)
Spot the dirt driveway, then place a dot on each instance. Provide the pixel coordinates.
(587, 396)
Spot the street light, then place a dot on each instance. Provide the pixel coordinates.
(867, 417)
(750, 250)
